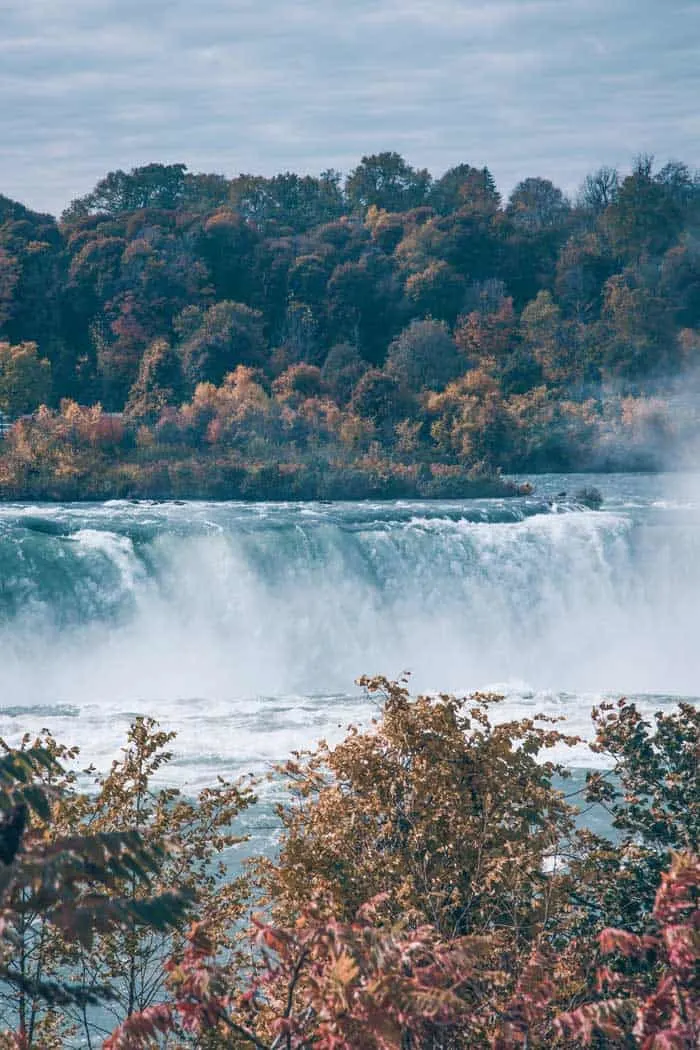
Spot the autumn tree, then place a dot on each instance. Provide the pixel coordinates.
(298, 383)
(654, 1000)
(239, 411)
(387, 228)
(271, 272)
(542, 331)
(488, 333)
(323, 983)
(547, 429)
(431, 890)
(427, 893)
(429, 808)
(469, 420)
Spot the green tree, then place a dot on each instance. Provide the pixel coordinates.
(380, 398)
(32, 285)
(465, 188)
(288, 200)
(227, 244)
(646, 216)
(536, 204)
(9, 277)
(424, 356)
(638, 334)
(150, 186)
(159, 383)
(651, 794)
(679, 282)
(191, 837)
(388, 182)
(437, 291)
(218, 339)
(599, 189)
(584, 264)
(363, 302)
(25, 378)
(341, 371)
(60, 890)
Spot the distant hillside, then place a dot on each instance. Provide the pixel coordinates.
(392, 319)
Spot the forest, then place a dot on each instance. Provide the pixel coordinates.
(389, 333)
(435, 885)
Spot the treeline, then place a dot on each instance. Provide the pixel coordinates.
(433, 889)
(392, 318)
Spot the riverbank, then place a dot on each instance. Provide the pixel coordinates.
(200, 476)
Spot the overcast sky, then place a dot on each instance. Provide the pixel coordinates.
(529, 87)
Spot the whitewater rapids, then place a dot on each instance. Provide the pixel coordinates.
(243, 626)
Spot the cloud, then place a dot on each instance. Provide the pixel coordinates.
(550, 87)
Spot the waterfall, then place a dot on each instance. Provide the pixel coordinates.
(260, 617)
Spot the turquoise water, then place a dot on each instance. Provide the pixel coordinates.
(244, 626)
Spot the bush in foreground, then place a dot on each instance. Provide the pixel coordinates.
(432, 891)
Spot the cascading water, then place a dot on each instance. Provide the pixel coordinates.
(244, 626)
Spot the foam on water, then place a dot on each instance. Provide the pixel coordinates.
(243, 627)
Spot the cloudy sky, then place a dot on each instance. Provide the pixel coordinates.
(528, 87)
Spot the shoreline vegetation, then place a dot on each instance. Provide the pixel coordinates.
(386, 335)
(266, 485)
(432, 888)
(196, 476)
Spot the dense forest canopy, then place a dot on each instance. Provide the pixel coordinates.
(391, 315)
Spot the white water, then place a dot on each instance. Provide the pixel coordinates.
(244, 627)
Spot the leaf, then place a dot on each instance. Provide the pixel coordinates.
(344, 970)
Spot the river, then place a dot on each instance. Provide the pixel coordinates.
(244, 626)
